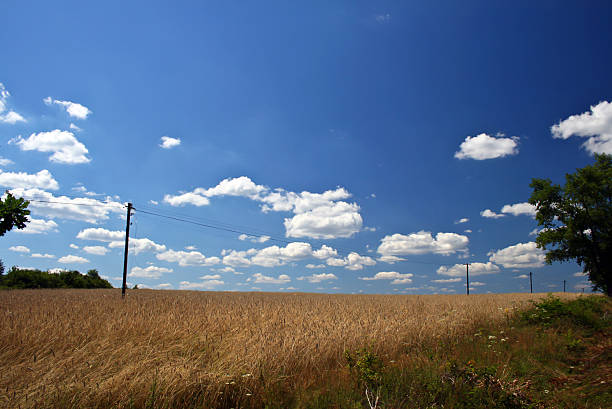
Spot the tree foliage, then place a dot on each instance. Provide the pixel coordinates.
(28, 278)
(577, 220)
(13, 213)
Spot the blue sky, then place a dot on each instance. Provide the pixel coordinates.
(346, 147)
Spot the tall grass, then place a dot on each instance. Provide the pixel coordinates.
(90, 348)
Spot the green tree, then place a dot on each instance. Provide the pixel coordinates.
(577, 220)
(13, 213)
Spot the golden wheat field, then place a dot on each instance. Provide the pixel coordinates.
(91, 348)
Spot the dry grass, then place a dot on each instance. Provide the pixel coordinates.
(90, 348)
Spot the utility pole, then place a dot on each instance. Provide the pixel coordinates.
(467, 277)
(530, 282)
(563, 285)
(125, 252)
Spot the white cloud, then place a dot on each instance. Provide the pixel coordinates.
(580, 274)
(325, 252)
(12, 118)
(595, 125)
(153, 272)
(187, 258)
(254, 239)
(204, 285)
(96, 250)
(316, 215)
(19, 249)
(235, 258)
(398, 278)
(164, 286)
(73, 246)
(74, 109)
(262, 279)
(317, 278)
(476, 284)
(274, 256)
(38, 226)
(186, 198)
(397, 245)
(42, 180)
(353, 261)
(139, 245)
(475, 269)
(74, 127)
(521, 255)
(484, 146)
(38, 255)
(65, 147)
(168, 142)
(522, 276)
(447, 280)
(312, 266)
(62, 207)
(489, 214)
(71, 259)
(518, 209)
(210, 277)
(100, 234)
(5, 161)
(339, 219)
(463, 220)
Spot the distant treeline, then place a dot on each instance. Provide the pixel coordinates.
(26, 278)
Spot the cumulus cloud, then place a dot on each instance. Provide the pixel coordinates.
(317, 278)
(447, 280)
(38, 255)
(73, 109)
(274, 256)
(483, 146)
(316, 215)
(580, 274)
(254, 239)
(38, 226)
(203, 285)
(43, 180)
(168, 142)
(65, 146)
(394, 246)
(259, 278)
(476, 269)
(19, 249)
(187, 258)
(152, 272)
(10, 117)
(5, 161)
(521, 255)
(489, 214)
(462, 220)
(138, 246)
(312, 266)
(186, 198)
(100, 234)
(398, 278)
(518, 209)
(71, 259)
(353, 261)
(62, 207)
(595, 125)
(96, 250)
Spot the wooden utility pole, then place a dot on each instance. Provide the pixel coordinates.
(467, 278)
(125, 252)
(530, 282)
(563, 285)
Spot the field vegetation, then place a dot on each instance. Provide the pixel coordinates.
(182, 349)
